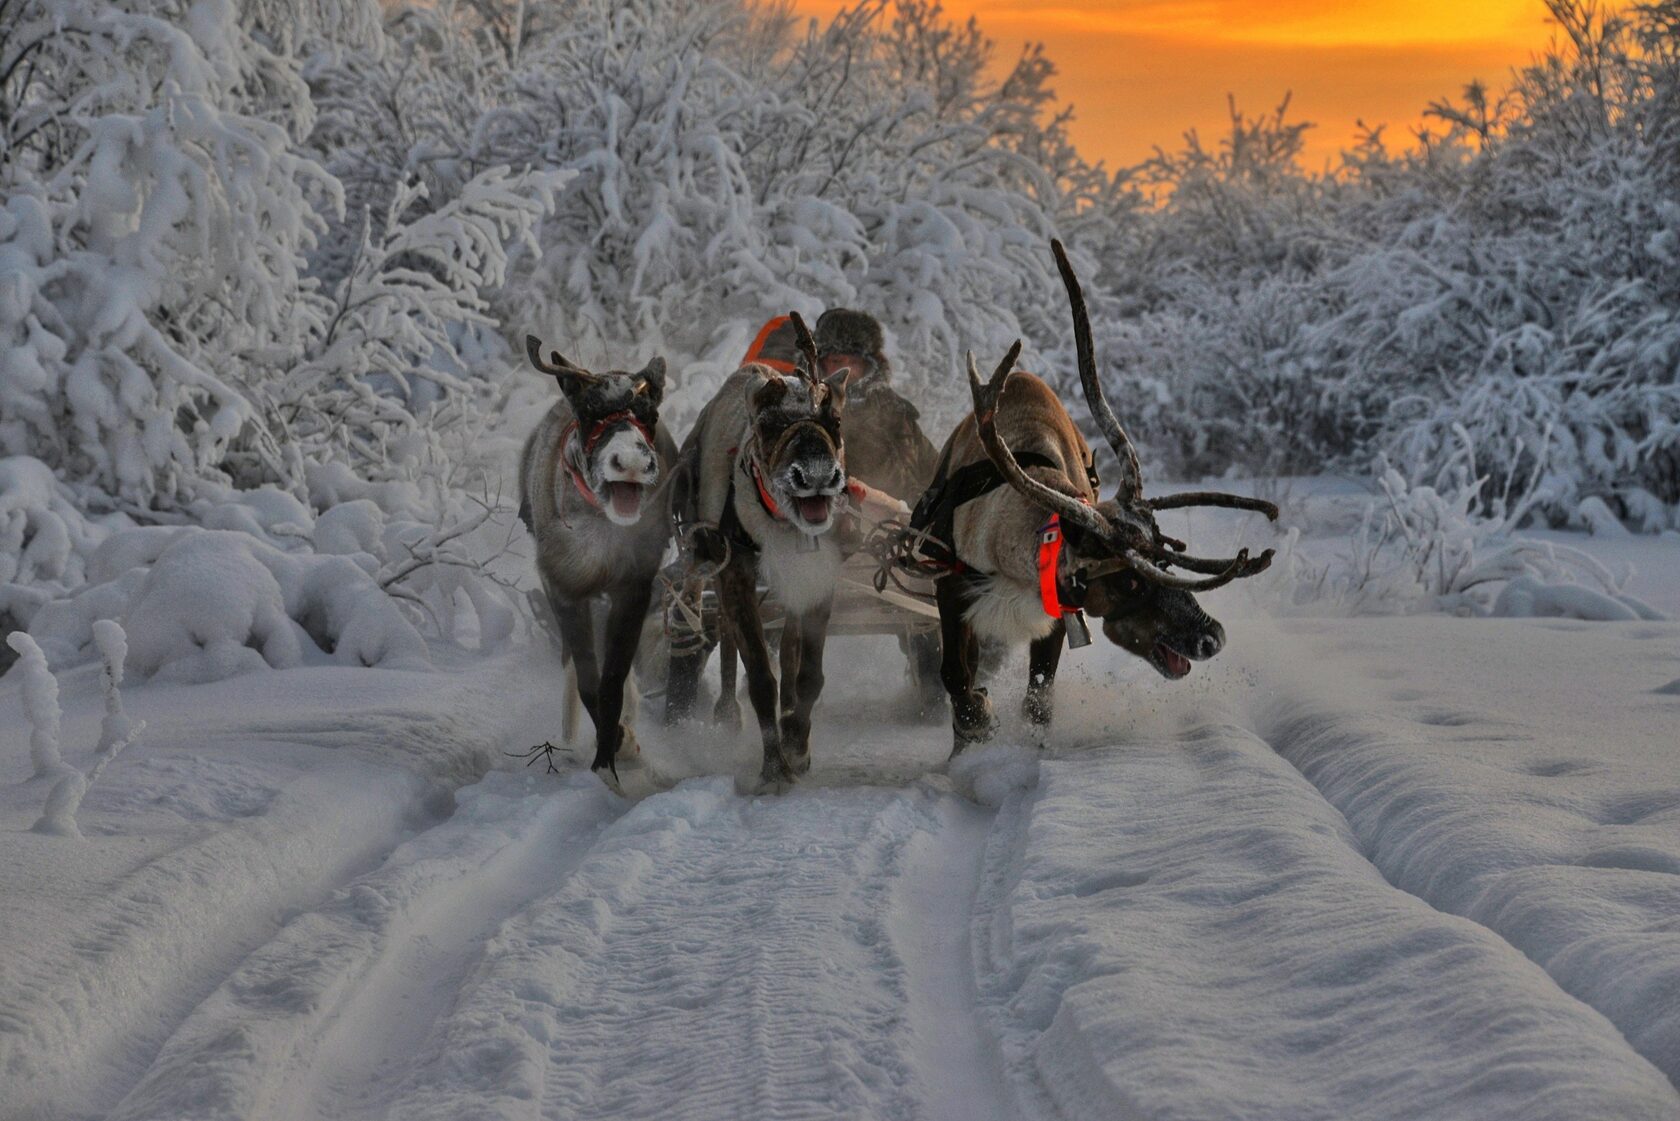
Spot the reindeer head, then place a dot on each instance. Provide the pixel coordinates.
(799, 455)
(611, 445)
(1115, 556)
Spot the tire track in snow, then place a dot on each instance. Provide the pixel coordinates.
(323, 1018)
(722, 957)
(1436, 831)
(1182, 926)
(81, 1027)
(371, 1036)
(931, 922)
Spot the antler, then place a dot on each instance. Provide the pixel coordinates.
(807, 347)
(1216, 567)
(985, 421)
(557, 363)
(1240, 566)
(1131, 482)
(1214, 498)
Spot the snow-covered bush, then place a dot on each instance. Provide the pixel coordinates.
(730, 164)
(152, 237)
(116, 730)
(64, 798)
(159, 321)
(44, 543)
(200, 605)
(40, 705)
(1417, 548)
(1516, 276)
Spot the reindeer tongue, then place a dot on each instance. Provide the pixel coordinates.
(814, 508)
(1177, 664)
(626, 498)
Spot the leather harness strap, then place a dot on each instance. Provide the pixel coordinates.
(936, 512)
(569, 441)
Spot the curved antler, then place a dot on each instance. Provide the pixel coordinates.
(1214, 498)
(1240, 566)
(985, 421)
(807, 347)
(1131, 482)
(1210, 565)
(557, 363)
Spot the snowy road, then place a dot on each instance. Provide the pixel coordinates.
(1396, 869)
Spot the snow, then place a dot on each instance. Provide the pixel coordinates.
(1408, 848)
(1354, 868)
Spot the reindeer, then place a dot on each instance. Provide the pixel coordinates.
(592, 493)
(767, 486)
(1025, 558)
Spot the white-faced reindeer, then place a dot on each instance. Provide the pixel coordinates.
(1028, 556)
(592, 491)
(767, 483)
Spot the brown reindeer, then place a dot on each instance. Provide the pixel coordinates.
(767, 484)
(1027, 557)
(592, 491)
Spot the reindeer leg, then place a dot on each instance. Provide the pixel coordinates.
(738, 602)
(1043, 656)
(727, 711)
(809, 637)
(624, 634)
(688, 658)
(577, 635)
(925, 656)
(788, 649)
(971, 709)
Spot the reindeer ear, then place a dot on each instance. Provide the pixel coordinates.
(650, 380)
(835, 399)
(769, 395)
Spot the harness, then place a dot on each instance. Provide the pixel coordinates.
(569, 441)
(932, 524)
(729, 522)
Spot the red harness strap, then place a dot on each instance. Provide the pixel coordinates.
(578, 480)
(764, 498)
(1049, 560)
(599, 429)
(596, 431)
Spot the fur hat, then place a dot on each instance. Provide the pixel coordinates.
(844, 331)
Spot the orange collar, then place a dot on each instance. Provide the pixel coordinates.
(1049, 562)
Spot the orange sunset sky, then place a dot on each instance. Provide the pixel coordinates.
(1140, 72)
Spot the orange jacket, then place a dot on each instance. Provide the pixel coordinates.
(774, 346)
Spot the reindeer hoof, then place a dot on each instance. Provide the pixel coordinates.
(727, 713)
(972, 720)
(767, 783)
(609, 774)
